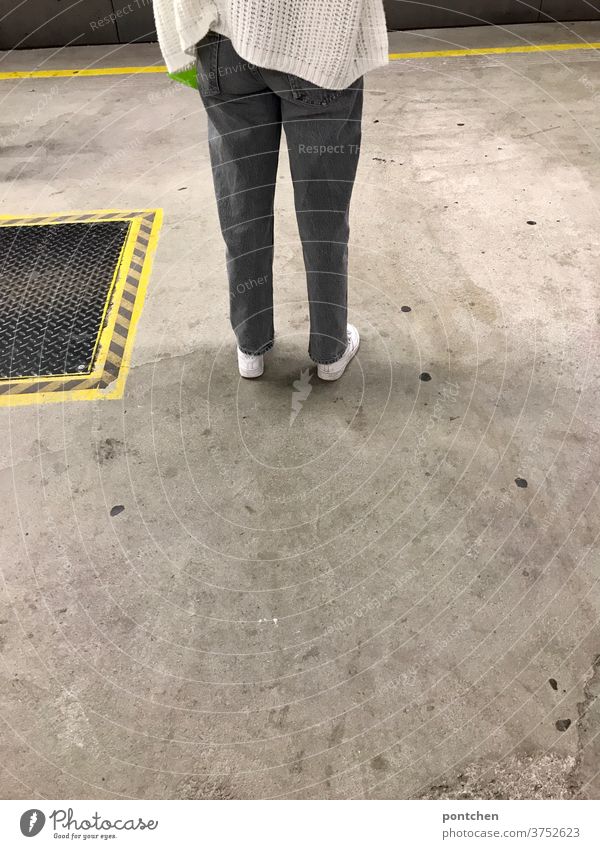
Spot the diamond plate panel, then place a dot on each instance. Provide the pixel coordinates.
(55, 281)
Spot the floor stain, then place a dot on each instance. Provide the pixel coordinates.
(546, 776)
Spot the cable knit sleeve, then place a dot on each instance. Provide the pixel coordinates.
(180, 24)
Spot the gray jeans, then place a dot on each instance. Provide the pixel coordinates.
(247, 107)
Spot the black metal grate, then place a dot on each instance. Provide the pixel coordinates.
(54, 283)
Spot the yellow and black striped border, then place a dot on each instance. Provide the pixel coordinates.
(122, 311)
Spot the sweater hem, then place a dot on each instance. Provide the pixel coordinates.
(180, 52)
(307, 70)
(184, 58)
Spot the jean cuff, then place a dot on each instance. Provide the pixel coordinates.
(257, 353)
(321, 362)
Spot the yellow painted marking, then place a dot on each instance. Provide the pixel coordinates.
(103, 342)
(114, 359)
(487, 51)
(116, 286)
(120, 335)
(420, 54)
(117, 276)
(92, 215)
(117, 389)
(134, 273)
(17, 395)
(83, 72)
(27, 399)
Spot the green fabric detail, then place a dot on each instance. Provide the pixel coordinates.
(187, 77)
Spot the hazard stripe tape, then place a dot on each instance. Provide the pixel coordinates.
(123, 312)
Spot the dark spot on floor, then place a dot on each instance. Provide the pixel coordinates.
(277, 716)
(312, 652)
(337, 734)
(108, 449)
(532, 223)
(297, 766)
(553, 683)
(405, 309)
(118, 508)
(203, 788)
(379, 763)
(425, 376)
(562, 724)
(521, 482)
(328, 774)
(545, 776)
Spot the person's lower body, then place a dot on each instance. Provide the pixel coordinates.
(247, 108)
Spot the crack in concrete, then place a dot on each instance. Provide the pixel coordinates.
(583, 726)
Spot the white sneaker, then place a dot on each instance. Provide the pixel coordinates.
(250, 366)
(333, 371)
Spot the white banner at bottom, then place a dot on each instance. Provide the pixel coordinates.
(298, 824)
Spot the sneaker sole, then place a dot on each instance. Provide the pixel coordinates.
(335, 375)
(252, 375)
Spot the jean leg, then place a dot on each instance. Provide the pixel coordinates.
(244, 134)
(324, 147)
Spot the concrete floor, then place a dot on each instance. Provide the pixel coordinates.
(358, 601)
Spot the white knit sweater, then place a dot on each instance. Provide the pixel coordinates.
(328, 42)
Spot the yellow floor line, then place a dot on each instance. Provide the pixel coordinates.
(83, 72)
(486, 51)
(423, 54)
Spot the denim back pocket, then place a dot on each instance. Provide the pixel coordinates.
(306, 92)
(207, 64)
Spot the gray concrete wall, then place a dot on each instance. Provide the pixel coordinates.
(418, 14)
(49, 23)
(413, 14)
